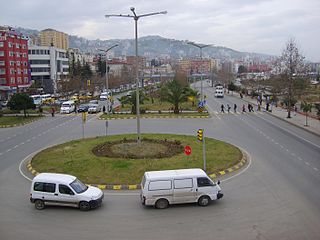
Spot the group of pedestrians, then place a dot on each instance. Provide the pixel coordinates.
(228, 108)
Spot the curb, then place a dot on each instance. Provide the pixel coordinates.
(236, 167)
(17, 125)
(177, 117)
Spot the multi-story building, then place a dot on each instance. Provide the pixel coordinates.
(48, 66)
(193, 66)
(14, 68)
(51, 37)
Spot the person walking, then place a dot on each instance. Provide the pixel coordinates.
(222, 108)
(52, 111)
(235, 108)
(243, 108)
(228, 108)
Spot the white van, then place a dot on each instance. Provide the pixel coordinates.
(219, 93)
(161, 188)
(68, 107)
(63, 189)
(104, 95)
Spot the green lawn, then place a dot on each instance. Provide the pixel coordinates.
(12, 120)
(76, 158)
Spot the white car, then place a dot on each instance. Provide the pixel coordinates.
(94, 108)
(65, 190)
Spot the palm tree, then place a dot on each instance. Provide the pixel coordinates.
(131, 99)
(194, 94)
(306, 107)
(174, 94)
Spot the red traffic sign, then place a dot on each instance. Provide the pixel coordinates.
(187, 150)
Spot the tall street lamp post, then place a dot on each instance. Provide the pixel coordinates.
(136, 18)
(200, 47)
(106, 86)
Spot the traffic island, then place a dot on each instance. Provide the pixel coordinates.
(127, 162)
(15, 121)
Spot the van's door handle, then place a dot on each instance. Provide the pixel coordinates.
(196, 189)
(56, 194)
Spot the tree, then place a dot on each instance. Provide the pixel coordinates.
(290, 65)
(175, 94)
(131, 100)
(191, 93)
(242, 69)
(21, 101)
(306, 107)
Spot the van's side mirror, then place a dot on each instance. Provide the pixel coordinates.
(218, 182)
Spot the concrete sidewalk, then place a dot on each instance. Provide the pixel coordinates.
(298, 119)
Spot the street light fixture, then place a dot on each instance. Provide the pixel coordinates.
(106, 86)
(136, 18)
(200, 47)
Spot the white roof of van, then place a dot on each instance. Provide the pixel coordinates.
(55, 177)
(192, 172)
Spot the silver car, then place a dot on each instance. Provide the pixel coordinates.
(94, 108)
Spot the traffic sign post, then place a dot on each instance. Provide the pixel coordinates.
(84, 119)
(187, 150)
(107, 124)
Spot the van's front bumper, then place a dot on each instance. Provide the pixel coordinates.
(219, 195)
(96, 203)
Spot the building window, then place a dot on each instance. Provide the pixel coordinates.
(18, 54)
(2, 71)
(19, 80)
(1, 44)
(3, 81)
(11, 63)
(10, 44)
(18, 63)
(26, 80)
(1, 53)
(11, 71)
(2, 63)
(17, 45)
(24, 55)
(24, 63)
(12, 80)
(23, 46)
(25, 71)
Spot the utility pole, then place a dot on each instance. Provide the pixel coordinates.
(136, 18)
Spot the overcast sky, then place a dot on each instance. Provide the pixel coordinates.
(262, 26)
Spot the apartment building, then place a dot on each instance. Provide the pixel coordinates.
(51, 37)
(48, 66)
(14, 68)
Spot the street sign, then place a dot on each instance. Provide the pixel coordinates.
(84, 117)
(187, 150)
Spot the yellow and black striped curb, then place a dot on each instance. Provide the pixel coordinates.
(123, 118)
(240, 164)
(17, 125)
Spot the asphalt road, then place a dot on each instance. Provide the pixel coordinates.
(277, 197)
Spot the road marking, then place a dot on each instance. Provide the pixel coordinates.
(1, 154)
(29, 140)
(316, 169)
(15, 146)
(22, 143)
(300, 158)
(8, 150)
(307, 163)
(292, 154)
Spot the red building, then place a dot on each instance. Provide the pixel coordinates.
(14, 66)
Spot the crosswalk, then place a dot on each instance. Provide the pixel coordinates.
(236, 113)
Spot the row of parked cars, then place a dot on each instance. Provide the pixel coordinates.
(158, 189)
(70, 106)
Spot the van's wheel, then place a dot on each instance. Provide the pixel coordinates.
(204, 201)
(39, 204)
(162, 203)
(84, 206)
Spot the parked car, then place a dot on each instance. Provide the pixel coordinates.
(93, 102)
(94, 108)
(63, 189)
(83, 108)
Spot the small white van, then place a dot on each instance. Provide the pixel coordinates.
(68, 107)
(161, 188)
(65, 190)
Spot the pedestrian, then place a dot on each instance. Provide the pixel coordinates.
(295, 110)
(267, 107)
(259, 107)
(241, 96)
(104, 108)
(228, 108)
(243, 108)
(235, 108)
(249, 107)
(222, 108)
(52, 111)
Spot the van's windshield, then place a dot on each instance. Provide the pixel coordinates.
(78, 186)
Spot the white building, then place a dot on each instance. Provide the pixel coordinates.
(47, 65)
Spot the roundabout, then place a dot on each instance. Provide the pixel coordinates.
(118, 162)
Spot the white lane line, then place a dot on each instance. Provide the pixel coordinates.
(316, 169)
(29, 140)
(307, 163)
(33, 137)
(300, 158)
(8, 150)
(22, 143)
(281, 146)
(16, 146)
(1, 154)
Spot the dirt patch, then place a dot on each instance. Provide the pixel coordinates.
(129, 148)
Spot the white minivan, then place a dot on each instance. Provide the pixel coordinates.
(65, 190)
(161, 188)
(68, 107)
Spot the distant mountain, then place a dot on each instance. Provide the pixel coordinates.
(153, 47)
